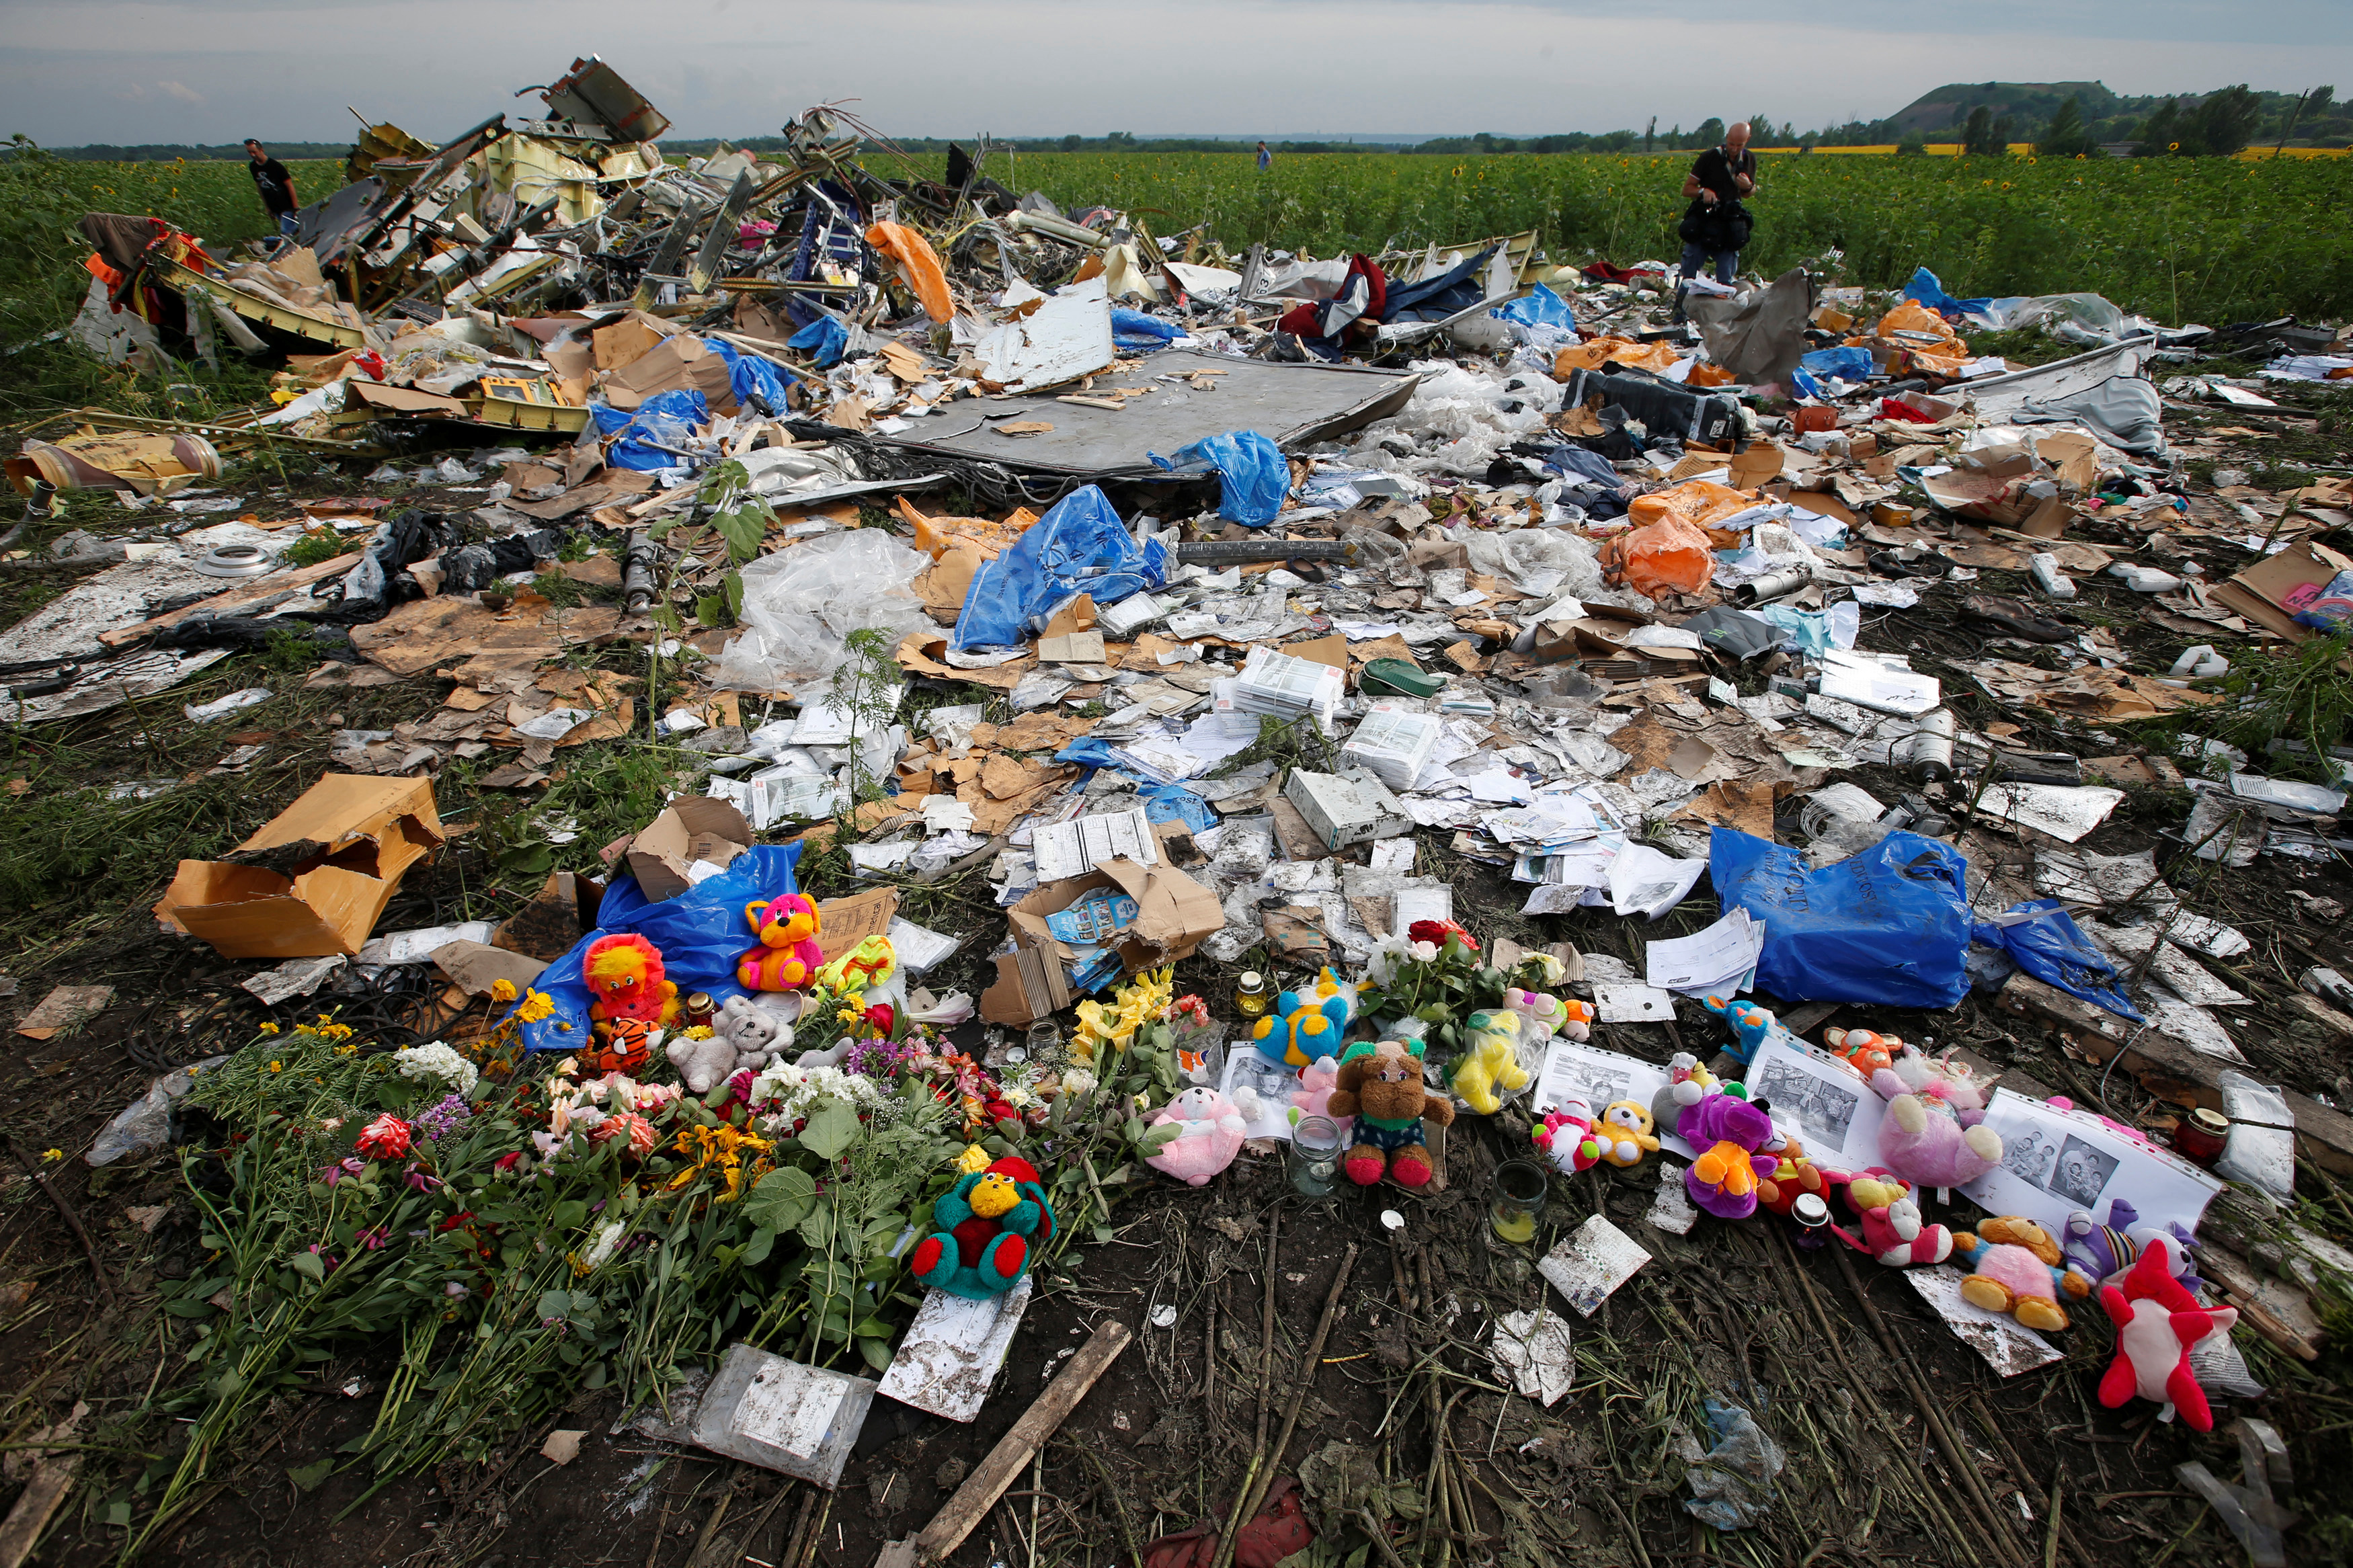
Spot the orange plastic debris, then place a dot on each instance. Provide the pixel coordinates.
(919, 265)
(1698, 501)
(1601, 350)
(1667, 556)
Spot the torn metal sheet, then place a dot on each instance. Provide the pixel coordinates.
(954, 1351)
(2008, 1346)
(1294, 405)
(67, 626)
(2063, 812)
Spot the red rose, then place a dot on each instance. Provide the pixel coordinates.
(385, 1138)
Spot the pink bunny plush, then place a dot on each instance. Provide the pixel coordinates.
(1209, 1136)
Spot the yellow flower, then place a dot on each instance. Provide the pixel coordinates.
(697, 1031)
(502, 989)
(276, 1067)
(972, 1162)
(536, 1004)
(52, 1156)
(268, 1028)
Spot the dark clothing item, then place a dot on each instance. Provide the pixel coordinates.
(1721, 225)
(1715, 168)
(276, 186)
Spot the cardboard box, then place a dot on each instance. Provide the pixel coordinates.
(2259, 592)
(663, 855)
(1344, 809)
(354, 838)
(674, 362)
(843, 923)
(1174, 914)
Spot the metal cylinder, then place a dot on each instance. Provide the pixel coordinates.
(1927, 751)
(1779, 585)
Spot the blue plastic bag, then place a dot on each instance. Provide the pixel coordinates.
(1888, 927)
(1174, 803)
(1539, 308)
(667, 417)
(2049, 946)
(826, 337)
(1846, 364)
(1803, 385)
(1133, 332)
(753, 380)
(1252, 477)
(700, 933)
(1080, 546)
(1924, 290)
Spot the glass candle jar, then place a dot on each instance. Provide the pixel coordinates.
(1251, 997)
(1522, 1188)
(1315, 1156)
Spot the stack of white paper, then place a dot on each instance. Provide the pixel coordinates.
(1395, 743)
(1718, 962)
(1075, 847)
(1286, 686)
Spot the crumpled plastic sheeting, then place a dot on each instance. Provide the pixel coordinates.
(800, 605)
(2125, 411)
(1731, 1483)
(1080, 546)
(1463, 413)
(1759, 335)
(2051, 947)
(1253, 476)
(1539, 562)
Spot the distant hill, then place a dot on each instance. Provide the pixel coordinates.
(2028, 101)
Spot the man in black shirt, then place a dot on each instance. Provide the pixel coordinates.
(276, 186)
(1715, 225)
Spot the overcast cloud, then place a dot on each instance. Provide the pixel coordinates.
(217, 71)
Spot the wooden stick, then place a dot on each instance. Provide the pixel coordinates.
(73, 1221)
(1965, 1473)
(1265, 1394)
(2050, 1536)
(981, 1489)
(1305, 1381)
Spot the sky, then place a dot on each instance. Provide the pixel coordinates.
(218, 71)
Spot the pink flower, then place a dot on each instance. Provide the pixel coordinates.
(636, 1129)
(385, 1138)
(340, 1168)
(373, 1240)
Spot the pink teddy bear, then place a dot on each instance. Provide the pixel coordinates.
(1318, 1079)
(1210, 1134)
(1933, 1136)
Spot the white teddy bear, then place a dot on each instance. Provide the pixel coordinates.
(742, 1035)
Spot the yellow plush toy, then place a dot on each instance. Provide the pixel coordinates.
(868, 964)
(1481, 1075)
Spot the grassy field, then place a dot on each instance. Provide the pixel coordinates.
(2206, 239)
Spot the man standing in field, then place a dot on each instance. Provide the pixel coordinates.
(1715, 225)
(1265, 158)
(276, 186)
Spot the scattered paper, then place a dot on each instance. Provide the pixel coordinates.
(1821, 1100)
(1586, 1266)
(1672, 1209)
(2009, 1346)
(1075, 847)
(2056, 1162)
(1633, 1004)
(1532, 1349)
(1719, 961)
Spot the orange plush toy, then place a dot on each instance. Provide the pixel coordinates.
(788, 953)
(625, 976)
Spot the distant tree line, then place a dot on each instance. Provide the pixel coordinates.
(2061, 119)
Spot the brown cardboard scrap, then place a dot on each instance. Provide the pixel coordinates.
(676, 362)
(351, 838)
(1331, 650)
(475, 966)
(925, 653)
(696, 829)
(426, 632)
(1174, 915)
(1746, 807)
(843, 923)
(63, 1008)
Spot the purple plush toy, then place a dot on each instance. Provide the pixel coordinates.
(2105, 1250)
(1728, 1131)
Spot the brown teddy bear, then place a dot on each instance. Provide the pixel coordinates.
(1382, 1089)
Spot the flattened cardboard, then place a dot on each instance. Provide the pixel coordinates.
(1174, 914)
(843, 923)
(2257, 591)
(676, 363)
(367, 833)
(696, 829)
(402, 399)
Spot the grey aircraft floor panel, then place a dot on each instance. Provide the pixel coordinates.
(1291, 404)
